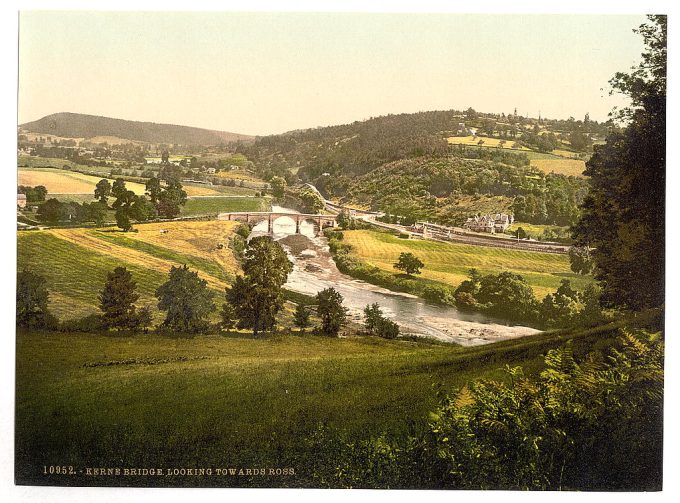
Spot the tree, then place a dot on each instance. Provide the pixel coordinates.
(508, 295)
(312, 201)
(343, 220)
(95, 212)
(141, 209)
(409, 263)
(51, 211)
(331, 311)
(580, 259)
(377, 324)
(372, 315)
(123, 219)
(153, 189)
(257, 296)
(170, 200)
(301, 317)
(102, 190)
(278, 185)
(187, 300)
(117, 300)
(520, 233)
(144, 318)
(32, 299)
(622, 216)
(119, 191)
(228, 315)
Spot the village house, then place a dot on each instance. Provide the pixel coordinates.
(489, 223)
(21, 200)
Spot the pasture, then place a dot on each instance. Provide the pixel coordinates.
(91, 400)
(75, 261)
(449, 263)
(211, 205)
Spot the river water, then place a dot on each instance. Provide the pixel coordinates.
(314, 270)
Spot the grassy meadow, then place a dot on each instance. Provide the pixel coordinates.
(210, 205)
(222, 401)
(450, 262)
(75, 261)
(567, 167)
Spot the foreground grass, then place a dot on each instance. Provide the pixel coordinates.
(216, 401)
(449, 263)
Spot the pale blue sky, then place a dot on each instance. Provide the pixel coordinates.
(269, 73)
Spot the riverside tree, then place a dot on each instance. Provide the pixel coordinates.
(409, 263)
(257, 295)
(331, 311)
(117, 300)
(186, 299)
(301, 317)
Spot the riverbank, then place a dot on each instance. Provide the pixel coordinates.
(314, 269)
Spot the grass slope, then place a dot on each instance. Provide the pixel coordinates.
(449, 262)
(216, 401)
(75, 261)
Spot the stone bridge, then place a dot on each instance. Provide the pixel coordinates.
(255, 217)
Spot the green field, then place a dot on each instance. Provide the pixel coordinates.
(450, 262)
(211, 205)
(214, 401)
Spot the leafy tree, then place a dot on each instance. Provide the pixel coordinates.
(331, 311)
(51, 211)
(95, 212)
(301, 317)
(228, 315)
(187, 300)
(257, 296)
(102, 190)
(170, 200)
(278, 185)
(32, 299)
(117, 300)
(508, 295)
(35, 194)
(153, 189)
(312, 202)
(144, 318)
(561, 308)
(372, 314)
(409, 263)
(119, 191)
(622, 216)
(520, 233)
(580, 259)
(141, 209)
(387, 329)
(343, 220)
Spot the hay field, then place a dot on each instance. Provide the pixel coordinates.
(59, 181)
(568, 167)
(449, 262)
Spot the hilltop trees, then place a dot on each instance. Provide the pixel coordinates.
(257, 297)
(187, 300)
(623, 215)
(409, 263)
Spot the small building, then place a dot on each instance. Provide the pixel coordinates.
(489, 223)
(211, 171)
(21, 200)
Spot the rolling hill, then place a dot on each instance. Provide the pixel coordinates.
(72, 125)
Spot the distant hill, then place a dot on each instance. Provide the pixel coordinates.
(71, 125)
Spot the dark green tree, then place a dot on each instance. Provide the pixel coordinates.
(301, 317)
(117, 300)
(508, 295)
(331, 311)
(95, 212)
(52, 211)
(170, 200)
(580, 259)
(343, 220)
(103, 190)
(257, 296)
(153, 189)
(32, 299)
(278, 185)
(228, 315)
(144, 318)
(119, 191)
(409, 263)
(372, 315)
(623, 214)
(186, 299)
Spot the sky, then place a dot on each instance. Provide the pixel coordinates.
(266, 73)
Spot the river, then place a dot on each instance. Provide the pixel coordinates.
(314, 270)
